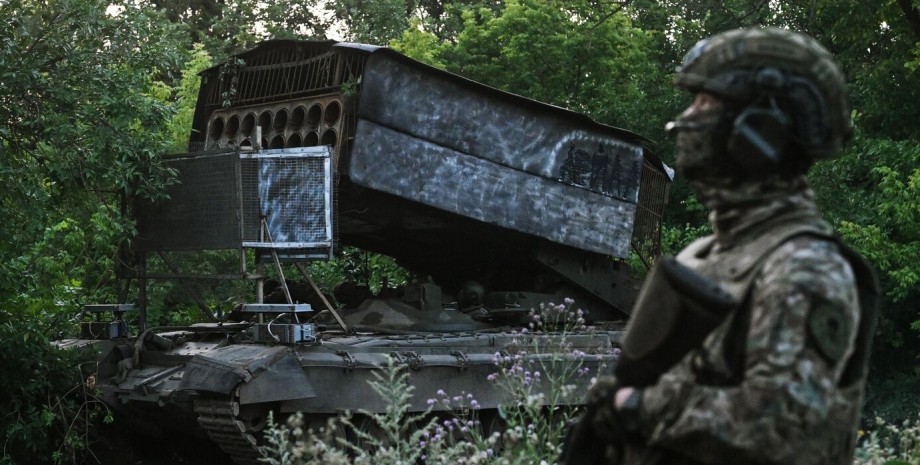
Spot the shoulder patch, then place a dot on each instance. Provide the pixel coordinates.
(830, 329)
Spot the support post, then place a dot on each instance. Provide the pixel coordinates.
(142, 292)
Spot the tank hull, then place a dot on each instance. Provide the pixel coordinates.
(208, 384)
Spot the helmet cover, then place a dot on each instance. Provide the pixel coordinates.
(743, 65)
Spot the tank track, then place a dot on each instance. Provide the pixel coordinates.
(221, 420)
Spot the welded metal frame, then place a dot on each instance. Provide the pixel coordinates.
(534, 164)
(301, 152)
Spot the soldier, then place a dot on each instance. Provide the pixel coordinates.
(780, 379)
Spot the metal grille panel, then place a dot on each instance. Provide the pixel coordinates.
(201, 213)
(293, 197)
(222, 199)
(286, 73)
(653, 197)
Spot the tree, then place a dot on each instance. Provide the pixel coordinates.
(374, 22)
(241, 24)
(227, 27)
(79, 131)
(184, 96)
(572, 54)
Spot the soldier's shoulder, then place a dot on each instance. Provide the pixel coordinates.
(809, 258)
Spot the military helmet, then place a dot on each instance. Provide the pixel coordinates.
(791, 70)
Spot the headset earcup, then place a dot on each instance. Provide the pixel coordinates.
(758, 139)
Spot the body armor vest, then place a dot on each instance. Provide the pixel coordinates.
(735, 270)
(739, 267)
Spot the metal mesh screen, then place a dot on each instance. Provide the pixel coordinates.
(293, 195)
(653, 197)
(222, 199)
(201, 213)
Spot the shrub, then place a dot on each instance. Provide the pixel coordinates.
(890, 444)
(47, 408)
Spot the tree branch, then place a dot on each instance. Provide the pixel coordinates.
(621, 5)
(739, 21)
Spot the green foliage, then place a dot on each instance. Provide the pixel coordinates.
(390, 437)
(889, 443)
(875, 43)
(373, 22)
(46, 407)
(419, 44)
(571, 54)
(228, 27)
(542, 381)
(871, 194)
(361, 267)
(71, 264)
(894, 396)
(183, 302)
(914, 63)
(185, 96)
(893, 241)
(79, 131)
(76, 97)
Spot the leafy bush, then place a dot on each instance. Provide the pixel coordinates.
(359, 266)
(47, 407)
(890, 444)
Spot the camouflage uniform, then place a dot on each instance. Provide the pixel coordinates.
(780, 380)
(763, 389)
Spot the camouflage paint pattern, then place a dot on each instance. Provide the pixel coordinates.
(782, 401)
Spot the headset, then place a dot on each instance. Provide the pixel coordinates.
(761, 131)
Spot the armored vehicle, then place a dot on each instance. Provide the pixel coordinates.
(495, 203)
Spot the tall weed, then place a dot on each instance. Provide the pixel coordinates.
(543, 378)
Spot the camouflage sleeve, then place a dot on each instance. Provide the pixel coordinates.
(789, 378)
